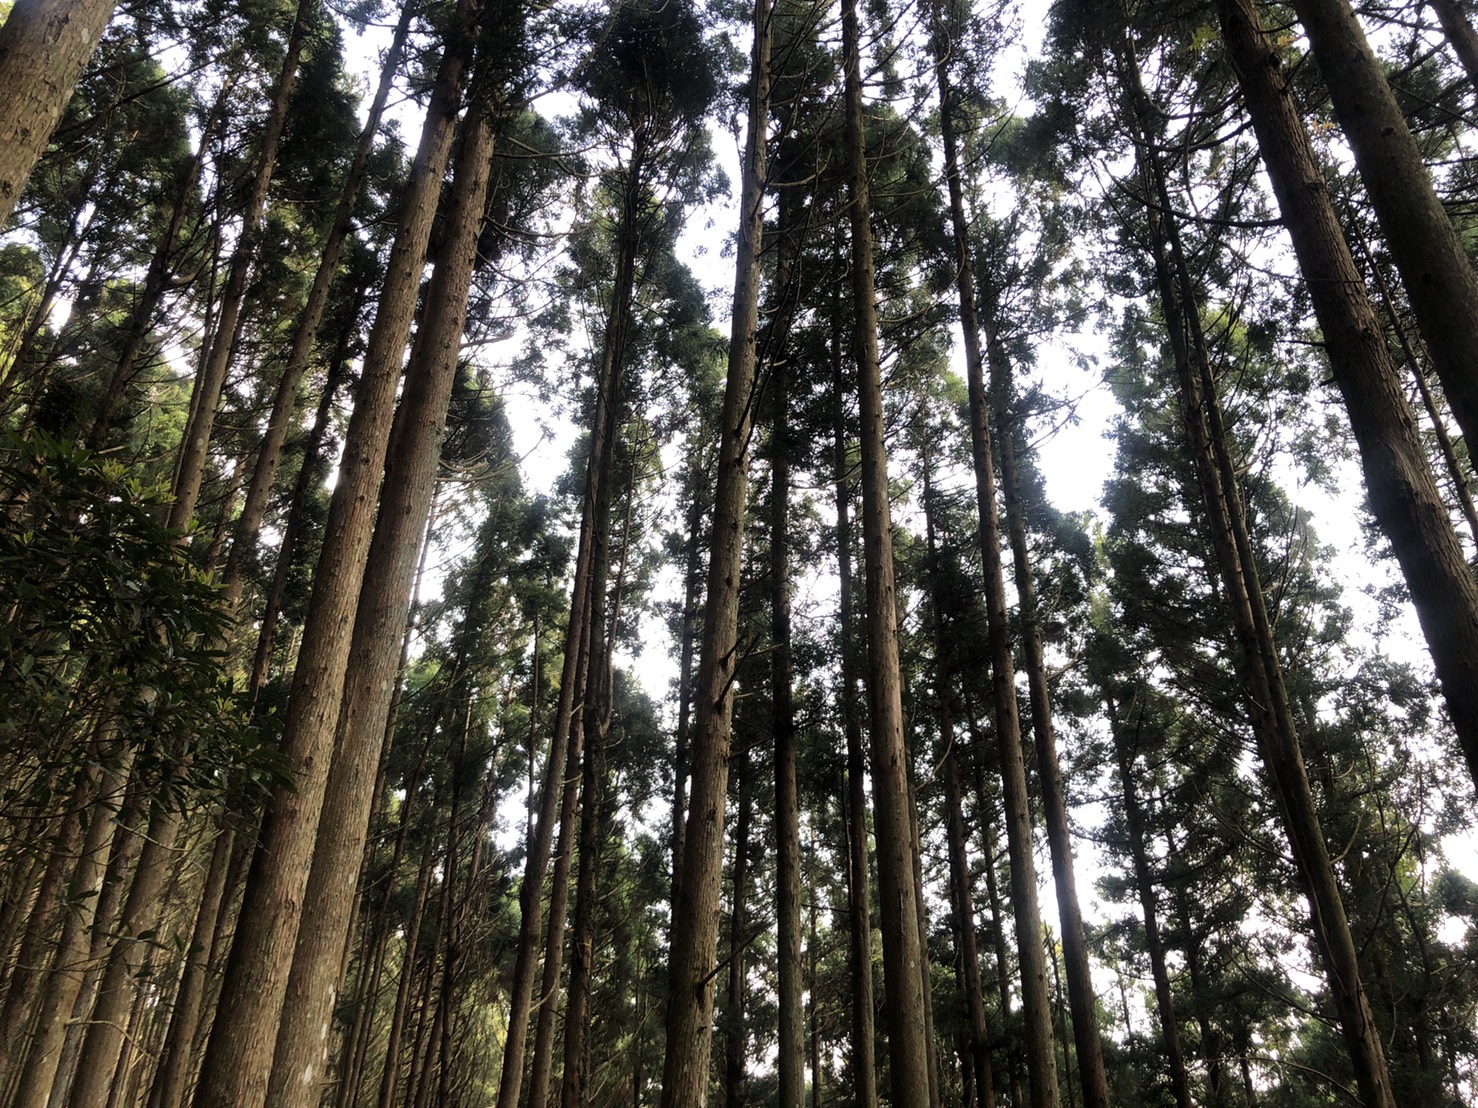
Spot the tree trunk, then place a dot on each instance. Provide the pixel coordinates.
(1036, 1004)
(978, 1076)
(694, 946)
(898, 896)
(854, 799)
(379, 629)
(305, 332)
(1273, 725)
(1081, 999)
(591, 565)
(1134, 820)
(176, 1062)
(1459, 33)
(736, 1042)
(44, 46)
(190, 466)
(791, 1059)
(1439, 278)
(238, 1058)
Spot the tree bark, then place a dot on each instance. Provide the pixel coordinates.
(379, 629)
(44, 46)
(854, 799)
(1041, 1065)
(694, 946)
(1273, 725)
(791, 1058)
(898, 895)
(1134, 820)
(238, 1058)
(1439, 278)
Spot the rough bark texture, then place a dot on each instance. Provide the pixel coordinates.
(44, 45)
(1398, 478)
(898, 895)
(379, 629)
(239, 1056)
(1041, 1064)
(1439, 278)
(305, 333)
(1273, 725)
(1460, 34)
(694, 948)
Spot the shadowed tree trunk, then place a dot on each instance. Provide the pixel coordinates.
(898, 895)
(694, 947)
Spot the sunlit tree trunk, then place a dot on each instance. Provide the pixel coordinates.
(44, 45)
(238, 1058)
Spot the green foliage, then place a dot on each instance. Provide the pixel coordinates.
(108, 637)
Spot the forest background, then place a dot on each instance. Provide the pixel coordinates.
(457, 650)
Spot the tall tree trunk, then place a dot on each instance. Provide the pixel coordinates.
(596, 725)
(1402, 493)
(1041, 1065)
(898, 895)
(736, 1040)
(379, 629)
(44, 46)
(1459, 34)
(854, 799)
(587, 593)
(69, 963)
(1134, 820)
(694, 946)
(978, 1076)
(305, 332)
(1081, 999)
(176, 1062)
(791, 1062)
(238, 1058)
(1440, 281)
(1272, 718)
(190, 465)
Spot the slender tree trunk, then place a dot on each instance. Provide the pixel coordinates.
(854, 801)
(692, 582)
(1081, 999)
(792, 1051)
(898, 895)
(1273, 724)
(736, 1039)
(568, 714)
(1134, 820)
(1459, 33)
(1041, 1065)
(44, 46)
(978, 1077)
(190, 466)
(405, 987)
(1399, 484)
(69, 964)
(269, 454)
(238, 1058)
(694, 946)
(596, 724)
(176, 1061)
